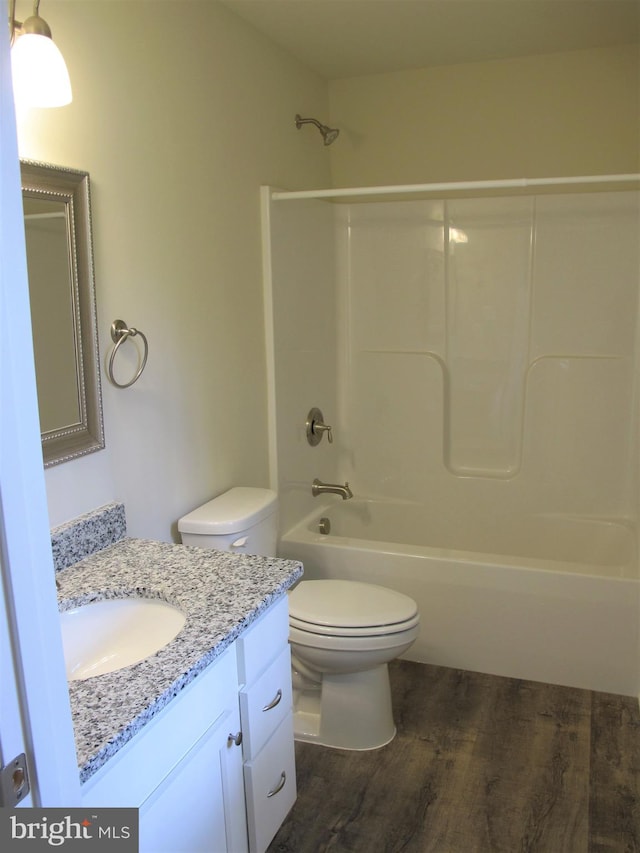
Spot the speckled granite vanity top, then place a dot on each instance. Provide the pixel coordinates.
(221, 595)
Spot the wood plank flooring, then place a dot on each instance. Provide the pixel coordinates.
(480, 764)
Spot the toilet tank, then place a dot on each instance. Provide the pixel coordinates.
(244, 520)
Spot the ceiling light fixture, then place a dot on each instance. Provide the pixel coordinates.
(40, 76)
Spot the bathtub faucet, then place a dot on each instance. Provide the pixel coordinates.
(319, 488)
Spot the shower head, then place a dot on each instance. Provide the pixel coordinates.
(329, 134)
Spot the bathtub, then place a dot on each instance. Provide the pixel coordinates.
(545, 597)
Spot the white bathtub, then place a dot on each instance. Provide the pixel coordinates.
(547, 598)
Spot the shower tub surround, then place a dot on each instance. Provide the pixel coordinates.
(221, 594)
(466, 351)
(477, 358)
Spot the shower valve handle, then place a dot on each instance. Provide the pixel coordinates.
(324, 428)
(316, 428)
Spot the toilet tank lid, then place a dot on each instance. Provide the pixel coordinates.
(235, 510)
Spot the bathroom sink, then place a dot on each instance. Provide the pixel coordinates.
(107, 635)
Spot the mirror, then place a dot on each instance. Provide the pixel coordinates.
(57, 215)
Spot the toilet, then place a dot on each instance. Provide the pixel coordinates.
(342, 633)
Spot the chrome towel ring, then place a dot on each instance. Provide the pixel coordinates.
(119, 334)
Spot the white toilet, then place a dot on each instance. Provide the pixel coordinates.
(342, 633)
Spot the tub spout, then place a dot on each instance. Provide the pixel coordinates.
(319, 488)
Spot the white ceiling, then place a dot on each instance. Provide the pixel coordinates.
(346, 38)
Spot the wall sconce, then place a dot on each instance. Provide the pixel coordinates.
(40, 76)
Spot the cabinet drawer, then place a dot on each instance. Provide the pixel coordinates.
(270, 786)
(262, 642)
(265, 703)
(133, 773)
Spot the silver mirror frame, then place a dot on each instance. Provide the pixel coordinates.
(71, 187)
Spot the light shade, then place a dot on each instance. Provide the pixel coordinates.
(40, 76)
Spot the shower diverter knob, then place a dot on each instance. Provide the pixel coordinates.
(316, 427)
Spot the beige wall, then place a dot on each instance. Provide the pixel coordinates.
(180, 112)
(571, 113)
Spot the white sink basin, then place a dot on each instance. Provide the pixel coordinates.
(114, 633)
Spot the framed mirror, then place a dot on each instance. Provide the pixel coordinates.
(57, 214)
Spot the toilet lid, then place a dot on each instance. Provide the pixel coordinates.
(350, 608)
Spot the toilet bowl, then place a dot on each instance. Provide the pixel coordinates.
(342, 636)
(342, 633)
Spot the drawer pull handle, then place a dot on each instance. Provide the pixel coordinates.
(279, 786)
(275, 701)
(237, 739)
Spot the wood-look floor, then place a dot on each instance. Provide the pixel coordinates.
(480, 764)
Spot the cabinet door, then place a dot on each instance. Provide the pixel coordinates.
(136, 770)
(199, 807)
(232, 770)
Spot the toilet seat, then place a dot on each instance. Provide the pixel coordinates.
(336, 608)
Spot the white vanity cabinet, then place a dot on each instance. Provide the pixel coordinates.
(266, 713)
(183, 771)
(214, 771)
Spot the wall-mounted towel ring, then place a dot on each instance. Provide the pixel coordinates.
(119, 334)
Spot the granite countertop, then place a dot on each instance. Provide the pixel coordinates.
(220, 593)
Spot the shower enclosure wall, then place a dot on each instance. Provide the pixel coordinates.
(477, 360)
